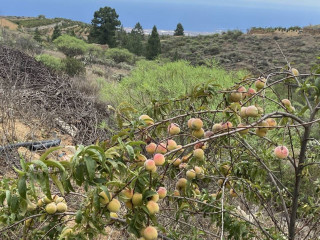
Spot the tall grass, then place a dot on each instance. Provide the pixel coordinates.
(152, 80)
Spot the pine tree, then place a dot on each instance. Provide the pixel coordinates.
(136, 37)
(37, 35)
(179, 30)
(56, 33)
(154, 45)
(122, 37)
(104, 26)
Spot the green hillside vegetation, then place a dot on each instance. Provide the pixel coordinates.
(234, 50)
(37, 22)
(151, 80)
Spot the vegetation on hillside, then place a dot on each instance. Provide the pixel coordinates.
(151, 81)
(192, 150)
(235, 50)
(188, 169)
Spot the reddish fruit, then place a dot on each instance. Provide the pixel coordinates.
(149, 165)
(151, 148)
(171, 145)
(272, 123)
(159, 159)
(286, 103)
(227, 125)
(208, 134)
(152, 207)
(150, 233)
(162, 192)
(251, 92)
(161, 148)
(242, 89)
(281, 152)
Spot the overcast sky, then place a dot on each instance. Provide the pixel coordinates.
(195, 15)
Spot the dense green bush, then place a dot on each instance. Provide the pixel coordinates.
(150, 80)
(50, 61)
(73, 66)
(71, 46)
(120, 55)
(94, 54)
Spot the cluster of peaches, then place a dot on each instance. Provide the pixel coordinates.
(135, 199)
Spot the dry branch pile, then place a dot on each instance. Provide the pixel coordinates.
(32, 93)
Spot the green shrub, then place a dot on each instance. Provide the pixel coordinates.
(120, 55)
(71, 46)
(94, 54)
(50, 61)
(73, 66)
(150, 80)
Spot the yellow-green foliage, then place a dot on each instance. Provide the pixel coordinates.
(50, 61)
(120, 55)
(71, 46)
(151, 80)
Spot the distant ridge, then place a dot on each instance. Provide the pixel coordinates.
(171, 32)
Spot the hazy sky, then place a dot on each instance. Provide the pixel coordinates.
(195, 15)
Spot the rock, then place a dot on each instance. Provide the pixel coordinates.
(27, 154)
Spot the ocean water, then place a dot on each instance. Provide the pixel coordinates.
(165, 15)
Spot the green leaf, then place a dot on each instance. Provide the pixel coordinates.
(78, 216)
(50, 150)
(8, 196)
(54, 163)
(91, 166)
(21, 173)
(148, 193)
(22, 187)
(58, 183)
(14, 203)
(23, 163)
(40, 164)
(130, 151)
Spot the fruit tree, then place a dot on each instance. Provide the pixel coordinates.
(238, 163)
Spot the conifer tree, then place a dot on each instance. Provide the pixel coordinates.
(154, 45)
(104, 26)
(122, 37)
(56, 33)
(37, 35)
(135, 41)
(179, 30)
